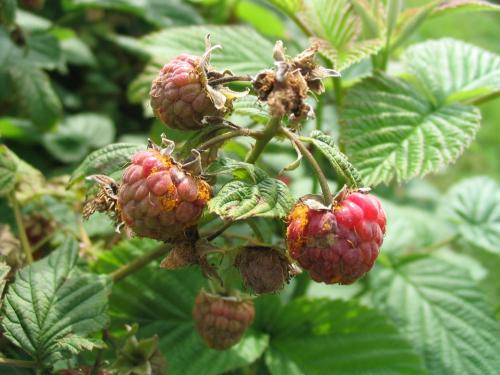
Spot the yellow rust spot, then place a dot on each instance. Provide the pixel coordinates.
(204, 190)
(169, 200)
(164, 159)
(298, 214)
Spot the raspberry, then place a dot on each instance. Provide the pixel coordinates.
(158, 199)
(221, 321)
(263, 269)
(338, 244)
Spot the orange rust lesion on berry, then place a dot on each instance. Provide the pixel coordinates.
(169, 200)
(204, 191)
(299, 215)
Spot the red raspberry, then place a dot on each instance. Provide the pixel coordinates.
(158, 199)
(221, 321)
(339, 244)
(263, 269)
(181, 96)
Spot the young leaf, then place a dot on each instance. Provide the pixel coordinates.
(239, 200)
(392, 131)
(442, 313)
(336, 28)
(289, 7)
(473, 205)
(141, 297)
(106, 160)
(322, 336)
(337, 159)
(453, 70)
(51, 322)
(8, 170)
(77, 135)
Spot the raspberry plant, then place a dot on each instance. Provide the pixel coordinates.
(274, 219)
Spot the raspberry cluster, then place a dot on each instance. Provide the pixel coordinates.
(158, 199)
(338, 244)
(221, 321)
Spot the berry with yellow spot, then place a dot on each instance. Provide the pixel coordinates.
(158, 198)
(336, 244)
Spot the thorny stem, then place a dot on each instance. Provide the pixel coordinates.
(323, 182)
(20, 228)
(269, 132)
(228, 79)
(17, 363)
(232, 134)
(139, 262)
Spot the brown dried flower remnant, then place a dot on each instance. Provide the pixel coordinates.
(286, 87)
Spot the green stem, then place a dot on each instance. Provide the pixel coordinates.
(323, 182)
(337, 87)
(17, 363)
(301, 284)
(484, 98)
(256, 230)
(224, 137)
(139, 262)
(20, 228)
(269, 132)
(218, 232)
(439, 244)
(229, 79)
(319, 125)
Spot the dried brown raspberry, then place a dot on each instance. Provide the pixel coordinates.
(158, 198)
(222, 321)
(338, 244)
(263, 269)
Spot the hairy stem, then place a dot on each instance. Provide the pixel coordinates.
(272, 128)
(228, 79)
(17, 363)
(25, 244)
(323, 182)
(139, 262)
(226, 136)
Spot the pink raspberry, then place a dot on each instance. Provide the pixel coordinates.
(222, 321)
(338, 244)
(158, 199)
(180, 95)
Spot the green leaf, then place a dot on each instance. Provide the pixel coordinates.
(4, 271)
(34, 95)
(392, 131)
(239, 200)
(452, 70)
(43, 50)
(439, 309)
(473, 205)
(106, 160)
(290, 7)
(342, 166)
(77, 135)
(8, 171)
(8, 12)
(238, 169)
(336, 27)
(263, 19)
(141, 297)
(244, 50)
(342, 59)
(159, 13)
(453, 6)
(336, 337)
(51, 307)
